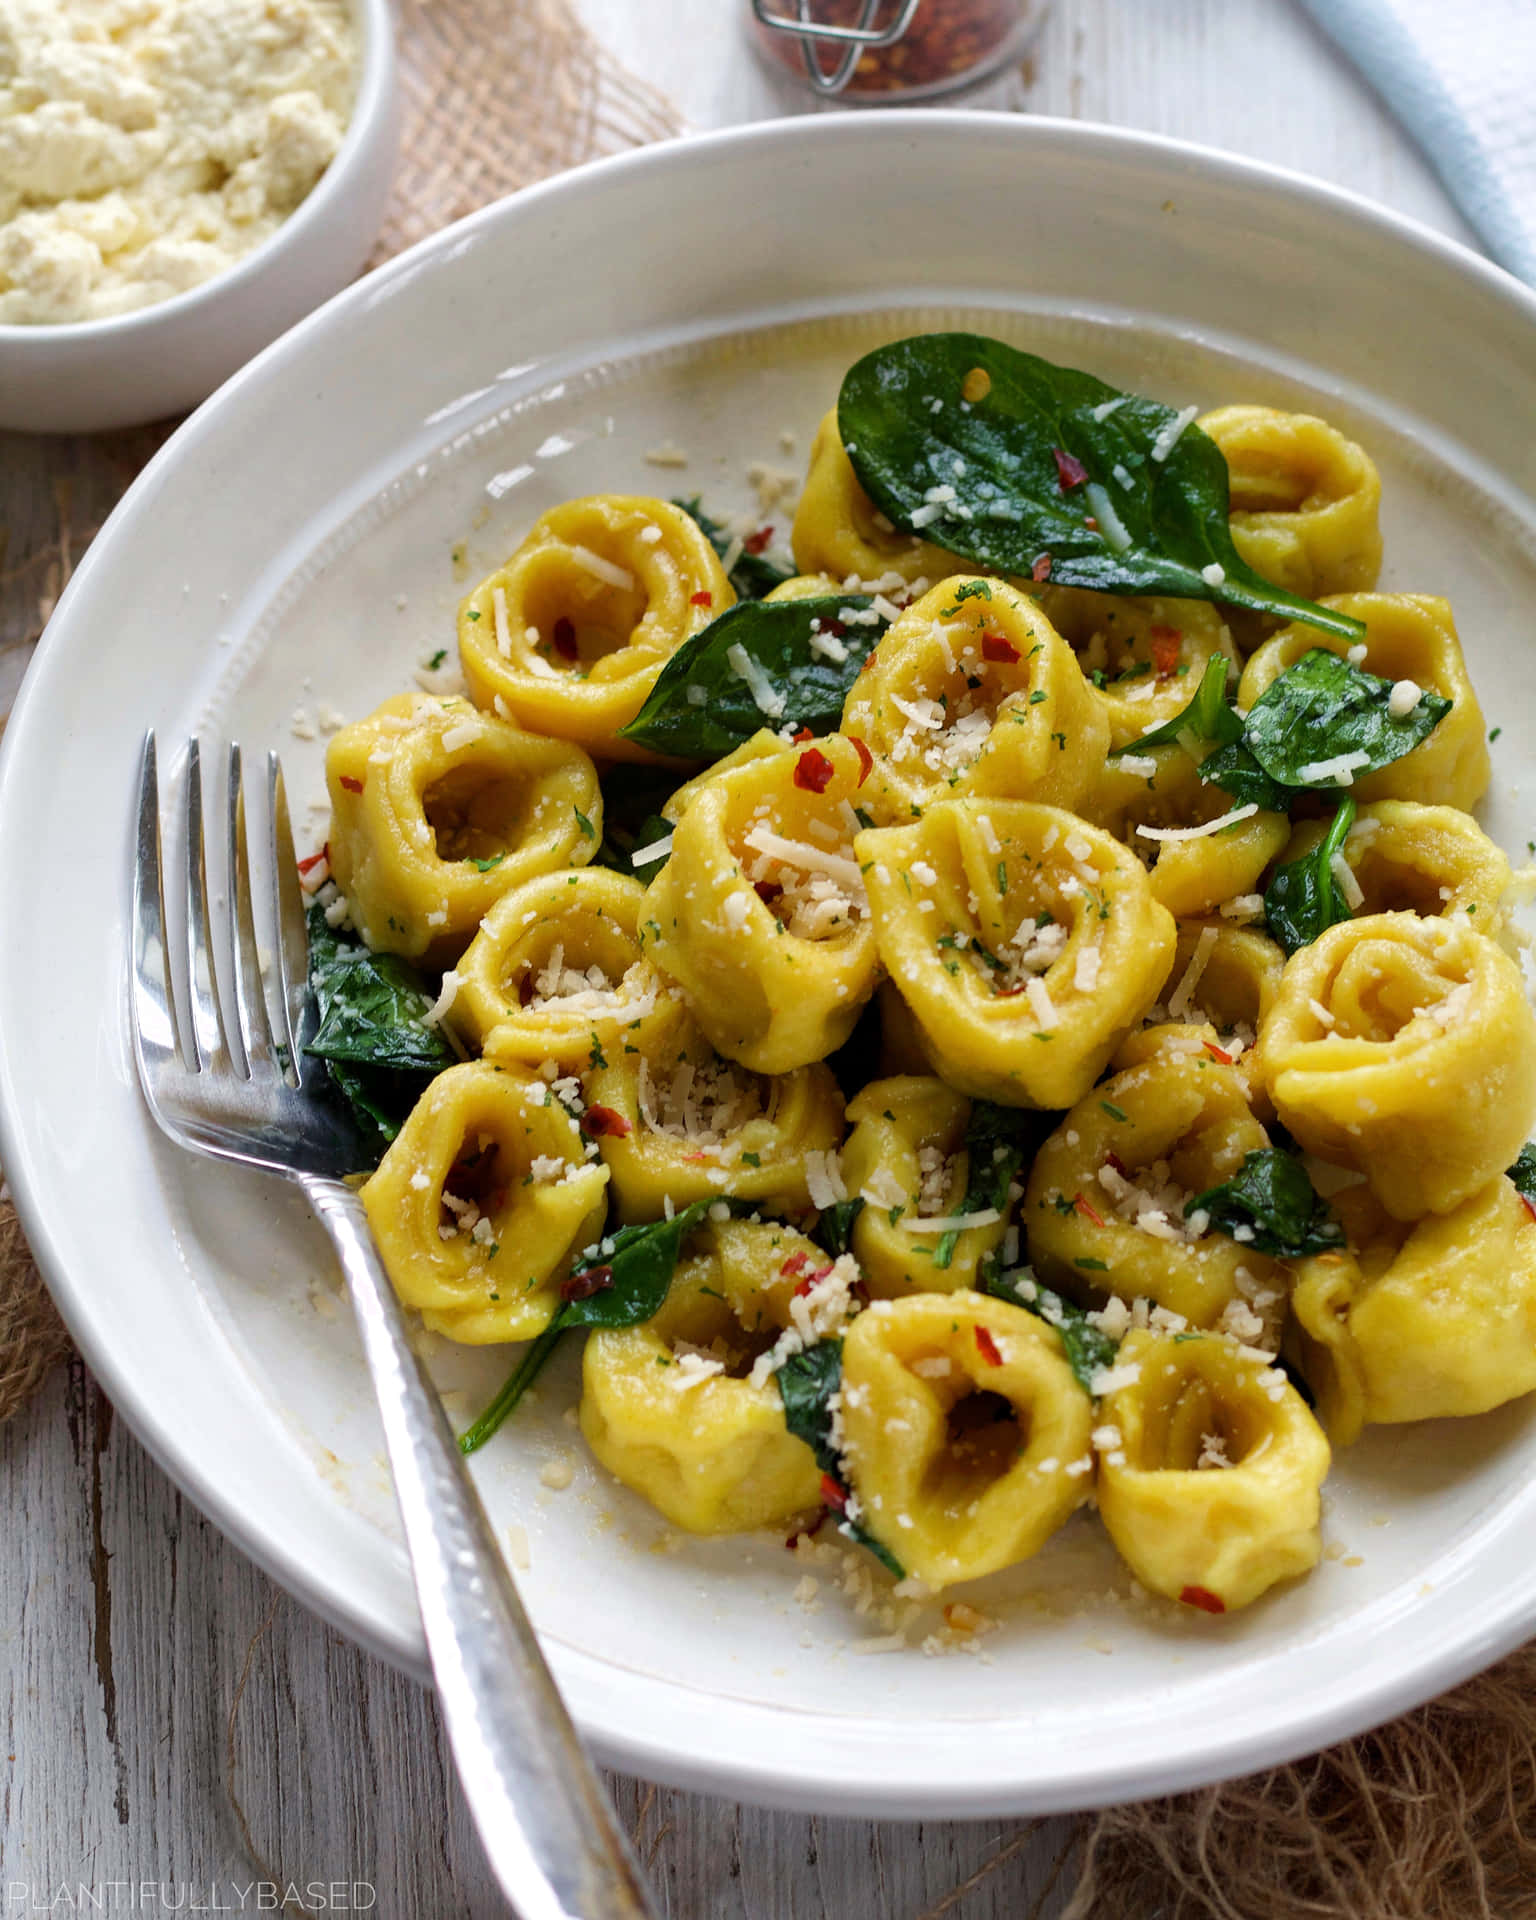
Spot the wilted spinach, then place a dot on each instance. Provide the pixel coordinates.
(1302, 899)
(752, 575)
(1272, 1196)
(1087, 1348)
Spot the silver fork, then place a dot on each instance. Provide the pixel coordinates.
(242, 1090)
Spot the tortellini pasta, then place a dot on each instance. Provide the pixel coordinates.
(679, 1123)
(1423, 1321)
(907, 1156)
(555, 971)
(1026, 943)
(760, 913)
(1409, 637)
(570, 635)
(972, 691)
(670, 1407)
(1407, 858)
(482, 1202)
(1106, 1207)
(1223, 984)
(436, 810)
(1144, 657)
(839, 531)
(1210, 1471)
(1406, 1049)
(1304, 500)
(993, 1453)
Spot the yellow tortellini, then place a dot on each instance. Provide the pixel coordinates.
(839, 531)
(1416, 1323)
(907, 1156)
(760, 913)
(677, 1123)
(1145, 657)
(670, 1407)
(482, 1202)
(1025, 942)
(1223, 984)
(1406, 1049)
(1408, 637)
(1105, 1206)
(1407, 858)
(1210, 1471)
(972, 691)
(555, 971)
(1157, 805)
(966, 1432)
(1304, 500)
(436, 810)
(570, 635)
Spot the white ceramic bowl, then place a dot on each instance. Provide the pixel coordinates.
(94, 374)
(295, 547)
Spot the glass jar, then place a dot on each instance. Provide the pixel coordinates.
(891, 51)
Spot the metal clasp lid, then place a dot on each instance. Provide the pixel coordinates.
(847, 42)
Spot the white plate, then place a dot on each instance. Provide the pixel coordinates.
(292, 547)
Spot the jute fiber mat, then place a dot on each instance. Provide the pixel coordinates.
(1430, 1818)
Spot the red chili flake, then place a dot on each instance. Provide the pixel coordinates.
(1114, 1160)
(814, 771)
(756, 542)
(866, 758)
(995, 647)
(986, 1346)
(1041, 570)
(1218, 1053)
(351, 785)
(811, 1280)
(582, 1286)
(1085, 1207)
(801, 735)
(869, 660)
(1167, 642)
(1011, 993)
(565, 638)
(696, 1158)
(767, 891)
(597, 1122)
(1090, 523)
(1070, 471)
(1204, 1599)
(797, 1263)
(309, 865)
(1529, 1204)
(835, 1494)
(701, 599)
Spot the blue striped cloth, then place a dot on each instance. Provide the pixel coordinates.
(1461, 76)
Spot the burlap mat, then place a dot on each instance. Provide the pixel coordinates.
(1431, 1818)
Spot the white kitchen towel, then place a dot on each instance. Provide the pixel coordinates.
(1461, 76)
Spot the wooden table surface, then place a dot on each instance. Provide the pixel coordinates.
(176, 1725)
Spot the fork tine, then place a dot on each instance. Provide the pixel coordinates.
(255, 1027)
(202, 972)
(288, 914)
(157, 1035)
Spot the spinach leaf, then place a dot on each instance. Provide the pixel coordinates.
(1208, 716)
(752, 576)
(807, 1382)
(1234, 769)
(1272, 1195)
(1301, 900)
(1523, 1173)
(618, 1288)
(633, 798)
(377, 1053)
(1049, 471)
(996, 1141)
(833, 1231)
(1324, 707)
(702, 707)
(1086, 1347)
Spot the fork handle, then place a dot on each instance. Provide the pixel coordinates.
(544, 1820)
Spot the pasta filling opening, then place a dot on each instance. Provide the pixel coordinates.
(950, 718)
(475, 815)
(579, 618)
(474, 1193)
(702, 1105)
(983, 1438)
(811, 884)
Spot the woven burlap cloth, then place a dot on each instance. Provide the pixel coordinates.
(1431, 1818)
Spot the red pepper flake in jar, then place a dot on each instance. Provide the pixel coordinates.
(757, 542)
(701, 599)
(582, 1286)
(351, 785)
(1204, 1599)
(986, 1346)
(1167, 643)
(994, 646)
(1070, 471)
(948, 43)
(1041, 570)
(814, 771)
(599, 1123)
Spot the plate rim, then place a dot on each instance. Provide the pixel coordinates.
(349, 1612)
